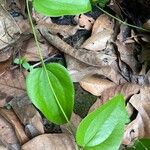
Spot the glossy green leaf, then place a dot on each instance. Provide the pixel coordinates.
(104, 125)
(53, 101)
(61, 7)
(142, 144)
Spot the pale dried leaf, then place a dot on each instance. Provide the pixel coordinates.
(11, 117)
(102, 23)
(51, 141)
(140, 127)
(84, 22)
(97, 41)
(8, 28)
(95, 85)
(7, 135)
(30, 51)
(11, 84)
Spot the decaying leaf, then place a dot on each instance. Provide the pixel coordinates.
(11, 85)
(8, 28)
(84, 22)
(8, 135)
(97, 41)
(95, 84)
(103, 22)
(101, 33)
(51, 141)
(30, 51)
(127, 50)
(140, 126)
(28, 115)
(11, 117)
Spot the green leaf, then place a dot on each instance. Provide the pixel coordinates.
(104, 125)
(102, 3)
(56, 8)
(142, 144)
(54, 99)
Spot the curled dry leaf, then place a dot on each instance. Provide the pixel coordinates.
(8, 135)
(30, 51)
(84, 22)
(140, 126)
(51, 141)
(11, 85)
(127, 50)
(8, 28)
(101, 33)
(97, 41)
(11, 117)
(28, 115)
(79, 71)
(103, 22)
(95, 84)
(63, 30)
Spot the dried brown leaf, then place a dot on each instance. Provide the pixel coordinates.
(84, 22)
(11, 85)
(7, 135)
(140, 126)
(28, 115)
(97, 41)
(95, 84)
(103, 22)
(8, 28)
(11, 117)
(51, 141)
(30, 50)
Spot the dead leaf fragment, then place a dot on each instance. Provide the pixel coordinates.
(140, 126)
(30, 51)
(103, 22)
(51, 141)
(95, 85)
(28, 115)
(97, 41)
(12, 84)
(11, 117)
(84, 22)
(7, 135)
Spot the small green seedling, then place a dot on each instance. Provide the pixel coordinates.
(23, 63)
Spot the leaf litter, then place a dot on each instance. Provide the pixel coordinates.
(104, 56)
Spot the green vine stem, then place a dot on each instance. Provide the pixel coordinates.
(125, 23)
(70, 125)
(43, 65)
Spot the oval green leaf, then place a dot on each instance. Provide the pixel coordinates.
(56, 8)
(142, 144)
(55, 99)
(104, 125)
